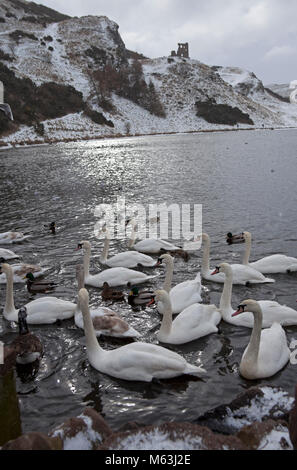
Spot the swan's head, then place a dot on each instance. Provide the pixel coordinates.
(168, 260)
(5, 268)
(84, 245)
(223, 268)
(83, 297)
(248, 305)
(205, 237)
(161, 296)
(247, 236)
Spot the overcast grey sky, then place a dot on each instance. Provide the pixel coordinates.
(258, 35)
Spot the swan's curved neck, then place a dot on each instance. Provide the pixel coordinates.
(166, 324)
(133, 235)
(93, 347)
(247, 252)
(205, 258)
(80, 285)
(104, 255)
(87, 256)
(252, 351)
(168, 276)
(9, 301)
(225, 301)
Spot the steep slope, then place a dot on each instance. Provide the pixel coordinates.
(42, 46)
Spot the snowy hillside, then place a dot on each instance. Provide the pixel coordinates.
(45, 46)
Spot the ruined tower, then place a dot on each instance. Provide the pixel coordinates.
(182, 51)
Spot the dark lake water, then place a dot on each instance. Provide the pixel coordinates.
(244, 180)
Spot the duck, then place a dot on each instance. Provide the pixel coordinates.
(34, 286)
(6, 255)
(110, 294)
(44, 310)
(139, 298)
(267, 352)
(12, 237)
(271, 311)
(234, 239)
(136, 361)
(193, 322)
(127, 259)
(51, 227)
(149, 245)
(114, 276)
(180, 253)
(20, 270)
(105, 321)
(183, 294)
(28, 347)
(242, 274)
(272, 264)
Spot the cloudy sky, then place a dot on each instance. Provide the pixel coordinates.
(258, 35)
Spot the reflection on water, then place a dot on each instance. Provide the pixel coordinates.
(244, 180)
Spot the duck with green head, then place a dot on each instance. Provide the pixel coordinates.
(38, 286)
(139, 298)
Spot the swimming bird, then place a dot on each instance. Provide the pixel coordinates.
(20, 271)
(242, 274)
(267, 352)
(138, 297)
(114, 276)
(149, 245)
(272, 311)
(12, 237)
(193, 322)
(111, 294)
(6, 255)
(38, 286)
(105, 321)
(28, 347)
(277, 263)
(42, 310)
(135, 361)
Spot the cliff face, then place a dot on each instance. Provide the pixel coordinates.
(39, 46)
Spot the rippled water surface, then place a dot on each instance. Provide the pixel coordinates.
(244, 180)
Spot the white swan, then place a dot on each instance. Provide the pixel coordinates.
(269, 264)
(7, 254)
(149, 245)
(183, 294)
(192, 323)
(128, 259)
(43, 310)
(20, 271)
(272, 311)
(134, 361)
(12, 237)
(105, 321)
(242, 274)
(267, 351)
(114, 276)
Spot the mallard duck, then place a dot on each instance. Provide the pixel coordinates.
(27, 346)
(20, 270)
(136, 297)
(232, 239)
(111, 294)
(34, 286)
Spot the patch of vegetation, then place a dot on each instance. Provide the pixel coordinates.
(32, 104)
(48, 38)
(276, 95)
(10, 15)
(2, 20)
(98, 118)
(99, 56)
(221, 113)
(18, 34)
(129, 83)
(134, 55)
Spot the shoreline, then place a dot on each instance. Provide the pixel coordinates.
(44, 142)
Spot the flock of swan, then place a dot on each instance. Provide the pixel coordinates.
(266, 353)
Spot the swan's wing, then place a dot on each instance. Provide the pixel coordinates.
(274, 263)
(242, 274)
(129, 259)
(275, 312)
(118, 277)
(48, 310)
(273, 352)
(184, 294)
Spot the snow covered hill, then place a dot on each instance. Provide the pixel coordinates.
(45, 46)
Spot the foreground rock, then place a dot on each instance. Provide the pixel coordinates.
(255, 404)
(293, 422)
(34, 441)
(84, 432)
(172, 436)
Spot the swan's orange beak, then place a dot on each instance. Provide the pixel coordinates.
(216, 271)
(152, 301)
(238, 311)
